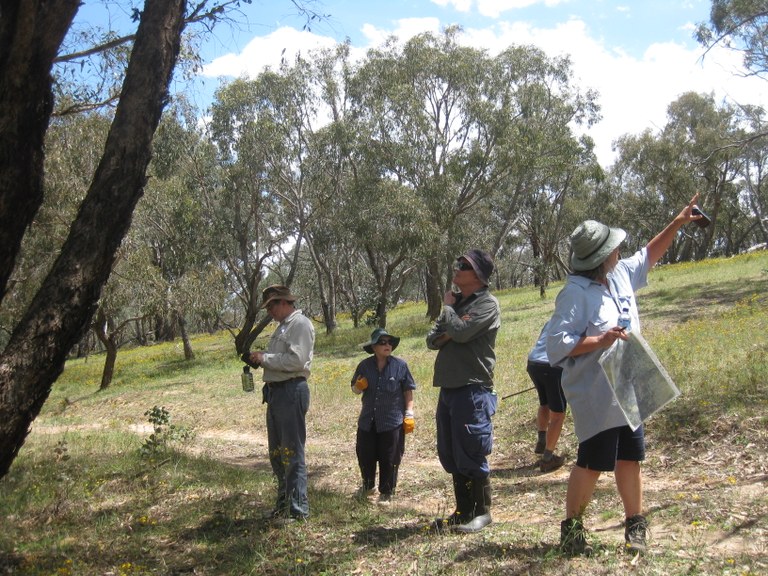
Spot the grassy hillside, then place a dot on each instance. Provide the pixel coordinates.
(99, 489)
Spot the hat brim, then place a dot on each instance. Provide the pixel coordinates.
(615, 237)
(368, 346)
(287, 297)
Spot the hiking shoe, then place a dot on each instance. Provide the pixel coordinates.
(552, 464)
(635, 534)
(275, 513)
(385, 499)
(573, 538)
(364, 493)
(540, 447)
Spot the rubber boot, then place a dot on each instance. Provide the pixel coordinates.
(480, 490)
(464, 503)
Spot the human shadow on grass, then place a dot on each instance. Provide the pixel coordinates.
(520, 559)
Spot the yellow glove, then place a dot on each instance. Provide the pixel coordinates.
(360, 384)
(408, 423)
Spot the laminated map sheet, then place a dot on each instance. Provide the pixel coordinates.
(640, 383)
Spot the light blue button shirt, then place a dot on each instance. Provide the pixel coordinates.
(587, 308)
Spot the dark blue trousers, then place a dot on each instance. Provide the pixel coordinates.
(465, 429)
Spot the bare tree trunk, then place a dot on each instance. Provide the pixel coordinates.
(189, 354)
(433, 289)
(109, 364)
(31, 32)
(61, 310)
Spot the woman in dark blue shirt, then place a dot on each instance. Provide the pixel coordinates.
(386, 386)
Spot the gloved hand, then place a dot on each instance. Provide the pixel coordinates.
(408, 422)
(360, 384)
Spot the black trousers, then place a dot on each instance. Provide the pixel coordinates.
(385, 449)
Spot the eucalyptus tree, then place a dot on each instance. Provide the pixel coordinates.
(450, 122)
(173, 220)
(552, 166)
(753, 175)
(248, 213)
(658, 172)
(31, 37)
(739, 25)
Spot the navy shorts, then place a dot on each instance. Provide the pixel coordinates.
(603, 450)
(546, 378)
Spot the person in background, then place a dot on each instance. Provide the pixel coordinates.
(386, 416)
(552, 403)
(465, 337)
(286, 366)
(586, 323)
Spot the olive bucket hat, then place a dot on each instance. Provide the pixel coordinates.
(591, 243)
(377, 335)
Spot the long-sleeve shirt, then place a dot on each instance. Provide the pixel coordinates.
(468, 357)
(384, 399)
(290, 349)
(587, 308)
(539, 351)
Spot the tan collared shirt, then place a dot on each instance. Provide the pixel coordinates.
(289, 354)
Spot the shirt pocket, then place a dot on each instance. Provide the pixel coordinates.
(603, 320)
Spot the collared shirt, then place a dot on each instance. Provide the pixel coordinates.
(587, 308)
(289, 354)
(383, 400)
(539, 351)
(468, 357)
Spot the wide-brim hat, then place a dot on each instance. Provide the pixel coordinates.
(481, 263)
(276, 292)
(591, 244)
(378, 334)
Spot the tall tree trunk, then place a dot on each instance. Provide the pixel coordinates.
(31, 32)
(189, 354)
(109, 363)
(61, 310)
(433, 289)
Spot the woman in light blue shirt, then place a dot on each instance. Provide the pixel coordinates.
(585, 323)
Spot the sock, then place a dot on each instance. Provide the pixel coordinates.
(548, 455)
(542, 435)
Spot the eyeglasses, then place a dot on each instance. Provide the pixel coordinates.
(384, 342)
(461, 265)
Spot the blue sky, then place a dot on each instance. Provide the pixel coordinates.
(639, 55)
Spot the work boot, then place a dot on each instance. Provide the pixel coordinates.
(553, 463)
(464, 504)
(480, 491)
(573, 538)
(635, 533)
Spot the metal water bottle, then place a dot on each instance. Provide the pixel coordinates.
(625, 320)
(247, 379)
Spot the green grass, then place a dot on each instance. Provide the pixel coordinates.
(81, 500)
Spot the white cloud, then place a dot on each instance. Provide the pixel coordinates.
(634, 93)
(458, 5)
(405, 29)
(494, 8)
(262, 51)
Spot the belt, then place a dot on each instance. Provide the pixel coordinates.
(289, 381)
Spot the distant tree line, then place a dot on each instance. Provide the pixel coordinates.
(357, 183)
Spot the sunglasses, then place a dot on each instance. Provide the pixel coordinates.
(384, 343)
(461, 265)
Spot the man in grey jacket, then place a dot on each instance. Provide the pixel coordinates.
(465, 337)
